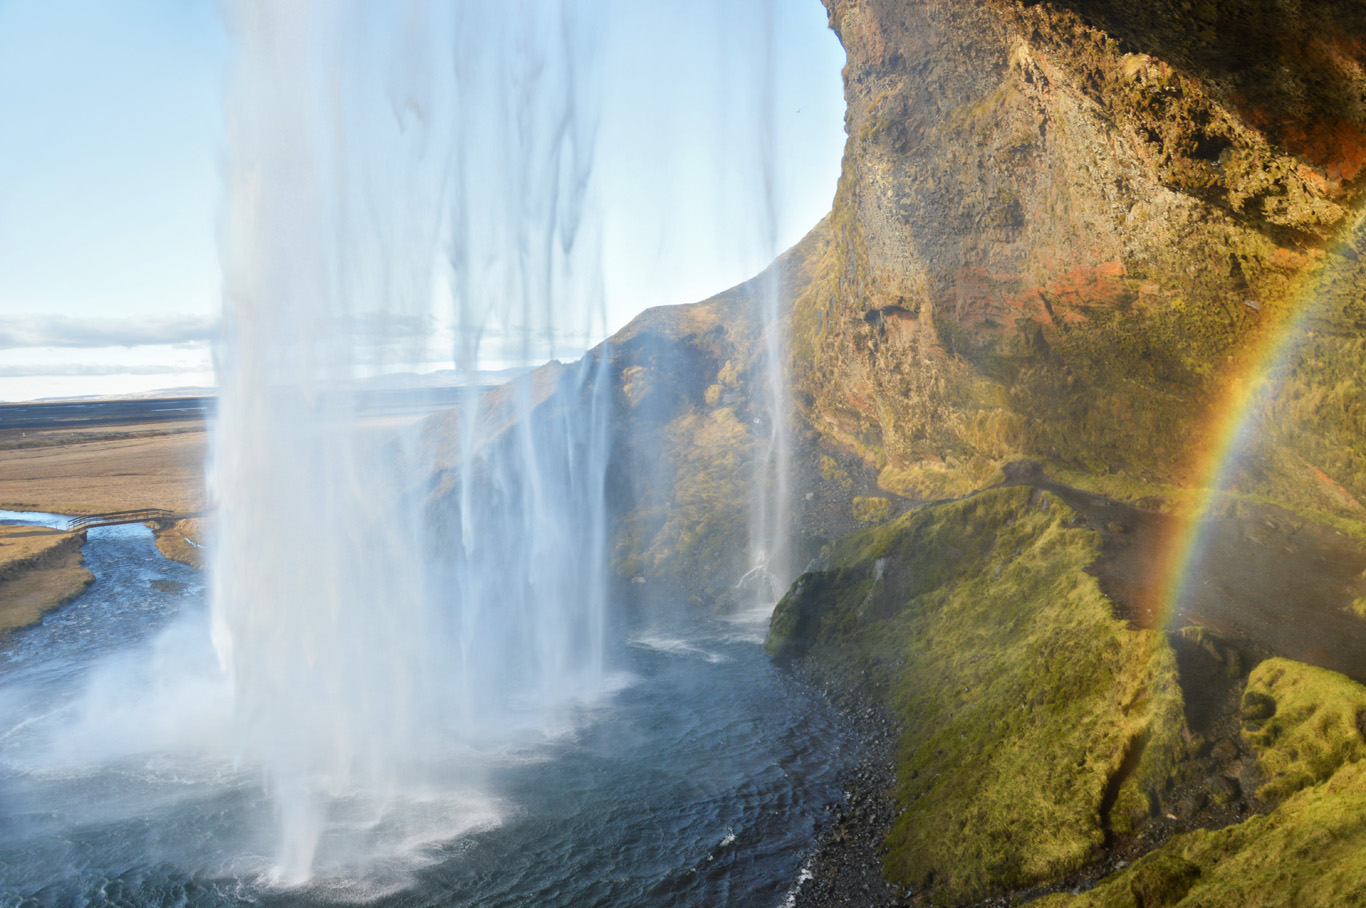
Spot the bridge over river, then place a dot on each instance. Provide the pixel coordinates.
(114, 518)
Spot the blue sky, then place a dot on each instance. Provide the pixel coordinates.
(111, 172)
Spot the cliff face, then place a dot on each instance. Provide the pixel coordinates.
(1063, 228)
(1064, 231)
(1093, 234)
(685, 435)
(688, 435)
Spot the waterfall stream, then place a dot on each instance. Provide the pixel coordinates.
(403, 677)
(118, 785)
(388, 193)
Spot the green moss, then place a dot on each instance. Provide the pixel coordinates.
(698, 532)
(871, 509)
(1303, 722)
(1163, 881)
(932, 480)
(1033, 717)
(831, 471)
(1305, 854)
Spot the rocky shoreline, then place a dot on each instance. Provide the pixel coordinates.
(845, 867)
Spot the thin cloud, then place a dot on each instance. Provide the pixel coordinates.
(56, 369)
(86, 333)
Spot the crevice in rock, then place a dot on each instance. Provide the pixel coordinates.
(1133, 755)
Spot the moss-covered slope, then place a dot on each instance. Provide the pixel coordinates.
(1035, 721)
(1304, 724)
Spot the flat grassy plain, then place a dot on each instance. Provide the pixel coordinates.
(87, 471)
(108, 459)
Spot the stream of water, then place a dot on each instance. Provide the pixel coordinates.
(675, 790)
(404, 680)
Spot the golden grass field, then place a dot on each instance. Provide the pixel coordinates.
(40, 569)
(88, 471)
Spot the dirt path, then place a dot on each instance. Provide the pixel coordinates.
(1271, 580)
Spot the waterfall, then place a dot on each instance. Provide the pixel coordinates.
(395, 189)
(771, 559)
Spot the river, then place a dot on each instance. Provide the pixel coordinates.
(700, 781)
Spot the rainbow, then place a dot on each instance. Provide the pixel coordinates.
(1231, 416)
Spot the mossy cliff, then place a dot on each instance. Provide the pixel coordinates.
(1035, 723)
(1085, 232)
(1064, 228)
(1304, 724)
(1047, 744)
